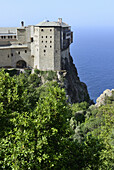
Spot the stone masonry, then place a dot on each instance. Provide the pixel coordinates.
(42, 46)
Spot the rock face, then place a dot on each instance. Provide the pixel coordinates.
(101, 99)
(76, 90)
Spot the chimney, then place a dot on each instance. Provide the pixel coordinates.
(60, 20)
(22, 23)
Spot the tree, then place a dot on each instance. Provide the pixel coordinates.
(37, 139)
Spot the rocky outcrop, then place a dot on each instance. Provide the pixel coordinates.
(76, 90)
(101, 100)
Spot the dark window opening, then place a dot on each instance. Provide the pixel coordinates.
(50, 41)
(18, 52)
(21, 64)
(46, 36)
(42, 41)
(32, 39)
(45, 46)
(44, 51)
(4, 37)
(50, 46)
(42, 36)
(50, 36)
(8, 55)
(42, 30)
(46, 41)
(25, 51)
(64, 35)
(50, 29)
(14, 36)
(12, 54)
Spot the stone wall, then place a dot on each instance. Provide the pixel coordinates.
(57, 49)
(5, 57)
(46, 48)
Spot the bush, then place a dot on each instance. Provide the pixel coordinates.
(36, 71)
(27, 71)
(51, 75)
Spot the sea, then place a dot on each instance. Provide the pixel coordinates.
(93, 55)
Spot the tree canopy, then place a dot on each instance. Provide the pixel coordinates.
(39, 129)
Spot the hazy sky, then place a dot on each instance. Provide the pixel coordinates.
(95, 13)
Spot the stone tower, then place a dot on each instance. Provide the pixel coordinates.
(41, 46)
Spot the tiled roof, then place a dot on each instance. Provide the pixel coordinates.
(52, 24)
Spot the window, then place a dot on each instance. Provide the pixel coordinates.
(44, 51)
(12, 54)
(8, 55)
(50, 41)
(32, 39)
(18, 52)
(11, 36)
(50, 36)
(8, 37)
(4, 37)
(25, 51)
(50, 46)
(46, 41)
(46, 36)
(14, 36)
(42, 41)
(50, 29)
(42, 36)
(45, 46)
(42, 30)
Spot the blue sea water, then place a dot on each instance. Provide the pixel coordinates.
(93, 55)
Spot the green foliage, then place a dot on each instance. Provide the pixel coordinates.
(36, 71)
(51, 75)
(12, 72)
(101, 123)
(110, 100)
(37, 139)
(39, 129)
(27, 71)
(78, 111)
(79, 106)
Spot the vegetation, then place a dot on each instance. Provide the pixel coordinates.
(39, 129)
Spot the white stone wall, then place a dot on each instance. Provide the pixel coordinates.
(35, 47)
(5, 57)
(46, 48)
(21, 54)
(21, 35)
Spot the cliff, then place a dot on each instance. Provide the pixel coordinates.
(75, 89)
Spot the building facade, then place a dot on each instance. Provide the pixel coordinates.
(41, 46)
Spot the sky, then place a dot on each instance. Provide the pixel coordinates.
(80, 13)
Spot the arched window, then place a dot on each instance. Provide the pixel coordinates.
(21, 64)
